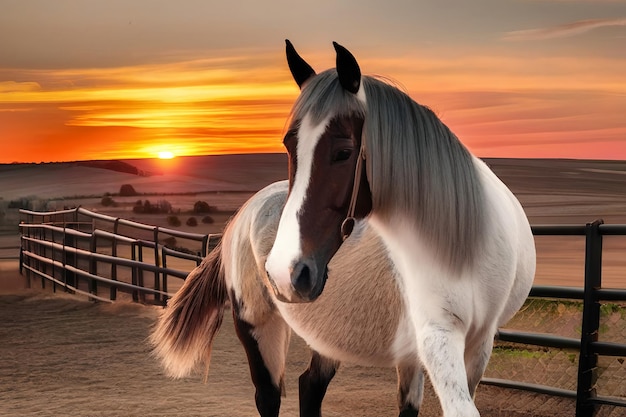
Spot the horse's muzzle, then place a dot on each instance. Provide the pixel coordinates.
(307, 281)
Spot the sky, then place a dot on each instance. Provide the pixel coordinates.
(84, 79)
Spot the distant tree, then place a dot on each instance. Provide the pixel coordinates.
(127, 190)
(146, 207)
(173, 221)
(208, 220)
(192, 221)
(138, 207)
(107, 201)
(202, 207)
(22, 203)
(164, 206)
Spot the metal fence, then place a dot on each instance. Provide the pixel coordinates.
(589, 346)
(71, 249)
(82, 252)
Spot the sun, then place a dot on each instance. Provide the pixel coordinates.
(166, 155)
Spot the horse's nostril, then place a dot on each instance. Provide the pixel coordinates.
(301, 279)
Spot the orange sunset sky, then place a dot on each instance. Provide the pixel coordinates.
(83, 79)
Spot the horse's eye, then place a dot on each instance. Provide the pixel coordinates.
(342, 155)
(290, 139)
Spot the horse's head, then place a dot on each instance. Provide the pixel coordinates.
(327, 182)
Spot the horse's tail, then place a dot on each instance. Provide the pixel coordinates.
(183, 336)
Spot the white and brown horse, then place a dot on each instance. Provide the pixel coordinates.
(457, 236)
(445, 256)
(360, 318)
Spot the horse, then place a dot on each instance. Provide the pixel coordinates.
(456, 235)
(360, 317)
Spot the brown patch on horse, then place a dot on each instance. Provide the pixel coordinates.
(359, 310)
(243, 269)
(183, 336)
(361, 307)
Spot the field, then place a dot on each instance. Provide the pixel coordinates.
(61, 355)
(551, 191)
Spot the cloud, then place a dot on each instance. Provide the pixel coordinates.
(13, 86)
(562, 31)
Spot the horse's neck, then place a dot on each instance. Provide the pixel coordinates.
(405, 245)
(406, 242)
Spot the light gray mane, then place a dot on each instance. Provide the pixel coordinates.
(416, 167)
(323, 96)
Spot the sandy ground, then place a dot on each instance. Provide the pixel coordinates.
(63, 356)
(60, 355)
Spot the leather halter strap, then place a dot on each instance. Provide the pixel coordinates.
(348, 224)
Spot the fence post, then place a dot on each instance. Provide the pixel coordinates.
(69, 258)
(157, 263)
(93, 265)
(137, 278)
(113, 289)
(164, 287)
(41, 266)
(588, 359)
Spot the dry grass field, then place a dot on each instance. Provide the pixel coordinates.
(65, 356)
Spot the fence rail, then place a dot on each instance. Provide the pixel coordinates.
(66, 248)
(80, 250)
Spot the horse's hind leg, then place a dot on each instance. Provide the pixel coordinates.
(410, 389)
(313, 384)
(266, 346)
(476, 361)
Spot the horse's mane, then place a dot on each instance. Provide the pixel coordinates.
(416, 167)
(323, 96)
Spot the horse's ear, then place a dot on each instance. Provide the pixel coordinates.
(300, 70)
(347, 69)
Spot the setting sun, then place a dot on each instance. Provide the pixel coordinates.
(166, 155)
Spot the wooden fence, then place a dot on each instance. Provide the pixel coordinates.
(72, 250)
(82, 251)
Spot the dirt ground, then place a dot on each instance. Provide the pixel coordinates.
(64, 356)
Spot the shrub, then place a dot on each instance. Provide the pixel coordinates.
(127, 190)
(192, 221)
(164, 206)
(170, 242)
(202, 207)
(173, 221)
(208, 220)
(107, 201)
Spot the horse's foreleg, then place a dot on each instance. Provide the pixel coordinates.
(266, 346)
(313, 384)
(441, 349)
(410, 389)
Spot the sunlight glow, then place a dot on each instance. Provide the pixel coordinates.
(166, 155)
(499, 105)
